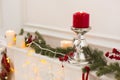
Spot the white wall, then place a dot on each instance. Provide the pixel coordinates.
(0, 15)
(11, 15)
(104, 14)
(54, 18)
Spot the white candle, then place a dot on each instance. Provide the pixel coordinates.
(10, 37)
(66, 44)
(20, 41)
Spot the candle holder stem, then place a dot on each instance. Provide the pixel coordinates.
(79, 43)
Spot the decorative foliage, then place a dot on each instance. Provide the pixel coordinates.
(21, 31)
(115, 54)
(97, 62)
(111, 68)
(66, 57)
(94, 56)
(39, 45)
(6, 67)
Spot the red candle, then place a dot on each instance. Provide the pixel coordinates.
(80, 20)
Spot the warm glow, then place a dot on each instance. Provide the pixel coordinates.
(10, 33)
(14, 39)
(66, 43)
(27, 62)
(12, 69)
(29, 54)
(43, 61)
(23, 45)
(9, 45)
(35, 69)
(31, 50)
(27, 44)
(20, 41)
(8, 60)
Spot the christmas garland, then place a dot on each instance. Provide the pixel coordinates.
(5, 67)
(95, 57)
(41, 47)
(98, 62)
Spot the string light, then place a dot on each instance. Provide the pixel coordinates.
(43, 61)
(45, 49)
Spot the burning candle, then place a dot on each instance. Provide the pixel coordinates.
(20, 41)
(80, 20)
(66, 44)
(10, 37)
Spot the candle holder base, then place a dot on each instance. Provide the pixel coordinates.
(81, 63)
(79, 60)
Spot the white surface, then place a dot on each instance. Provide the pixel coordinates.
(30, 66)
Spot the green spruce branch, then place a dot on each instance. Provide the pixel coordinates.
(98, 62)
(40, 41)
(21, 32)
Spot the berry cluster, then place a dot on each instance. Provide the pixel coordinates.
(66, 57)
(5, 72)
(29, 39)
(115, 54)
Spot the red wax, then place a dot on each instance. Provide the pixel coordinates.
(80, 20)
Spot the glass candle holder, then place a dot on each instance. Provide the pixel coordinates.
(79, 42)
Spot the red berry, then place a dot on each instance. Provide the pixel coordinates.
(111, 57)
(118, 58)
(107, 54)
(115, 51)
(65, 58)
(71, 54)
(119, 53)
(87, 68)
(29, 40)
(61, 58)
(3, 74)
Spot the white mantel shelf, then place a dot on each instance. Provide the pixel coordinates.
(31, 66)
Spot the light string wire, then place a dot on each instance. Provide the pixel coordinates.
(45, 48)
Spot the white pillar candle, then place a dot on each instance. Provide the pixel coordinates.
(10, 37)
(66, 44)
(20, 41)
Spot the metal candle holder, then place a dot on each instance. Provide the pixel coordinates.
(79, 43)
